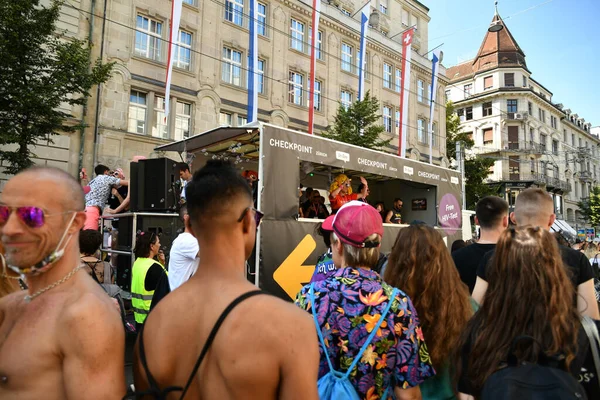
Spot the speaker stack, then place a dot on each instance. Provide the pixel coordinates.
(155, 185)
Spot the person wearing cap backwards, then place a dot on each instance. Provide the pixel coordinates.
(349, 304)
(340, 192)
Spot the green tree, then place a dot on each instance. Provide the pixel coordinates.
(476, 168)
(39, 72)
(360, 116)
(590, 208)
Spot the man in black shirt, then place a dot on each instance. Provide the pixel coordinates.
(313, 207)
(535, 207)
(394, 216)
(491, 214)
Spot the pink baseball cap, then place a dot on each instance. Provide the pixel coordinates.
(354, 222)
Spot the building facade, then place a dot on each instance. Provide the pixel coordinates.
(513, 119)
(126, 117)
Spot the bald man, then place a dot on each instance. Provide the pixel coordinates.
(535, 207)
(62, 338)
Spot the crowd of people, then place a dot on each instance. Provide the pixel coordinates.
(421, 322)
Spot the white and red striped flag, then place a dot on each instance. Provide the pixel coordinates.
(313, 63)
(173, 39)
(404, 90)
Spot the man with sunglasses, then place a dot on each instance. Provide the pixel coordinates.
(62, 338)
(265, 348)
(100, 189)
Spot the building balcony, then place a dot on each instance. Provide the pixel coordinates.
(585, 176)
(556, 184)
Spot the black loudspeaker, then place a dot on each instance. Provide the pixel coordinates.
(157, 185)
(135, 186)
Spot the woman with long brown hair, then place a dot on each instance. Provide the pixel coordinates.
(421, 266)
(529, 294)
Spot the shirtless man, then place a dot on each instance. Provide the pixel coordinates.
(63, 338)
(265, 349)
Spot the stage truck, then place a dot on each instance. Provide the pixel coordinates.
(287, 247)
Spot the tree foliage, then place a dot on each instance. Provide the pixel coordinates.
(476, 168)
(40, 71)
(590, 208)
(361, 115)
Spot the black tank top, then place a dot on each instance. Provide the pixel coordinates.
(396, 217)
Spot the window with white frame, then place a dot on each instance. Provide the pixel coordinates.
(241, 120)
(398, 79)
(190, 2)
(468, 89)
(296, 88)
(319, 48)
(405, 17)
(159, 127)
(297, 30)
(260, 70)
(234, 11)
(387, 119)
(434, 136)
(183, 120)
(383, 6)
(183, 51)
(387, 76)
(148, 36)
(232, 66)
(347, 53)
(225, 119)
(421, 136)
(420, 90)
(524, 81)
(261, 19)
(345, 12)
(137, 112)
(346, 99)
(397, 119)
(317, 95)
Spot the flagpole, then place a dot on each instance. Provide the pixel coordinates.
(252, 65)
(404, 90)
(434, 66)
(313, 64)
(173, 38)
(364, 24)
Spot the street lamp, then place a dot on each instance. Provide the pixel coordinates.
(373, 17)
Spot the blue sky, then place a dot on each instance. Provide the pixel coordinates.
(560, 40)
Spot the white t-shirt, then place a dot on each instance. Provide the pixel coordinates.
(183, 262)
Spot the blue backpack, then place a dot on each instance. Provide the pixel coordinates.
(336, 385)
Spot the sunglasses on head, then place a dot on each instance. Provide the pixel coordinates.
(33, 217)
(258, 215)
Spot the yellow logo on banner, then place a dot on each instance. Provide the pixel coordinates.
(291, 274)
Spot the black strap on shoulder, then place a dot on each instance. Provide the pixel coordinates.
(213, 334)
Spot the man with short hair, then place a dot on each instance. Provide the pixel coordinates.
(394, 216)
(186, 176)
(265, 348)
(63, 338)
(313, 207)
(491, 214)
(349, 304)
(535, 207)
(96, 199)
(184, 254)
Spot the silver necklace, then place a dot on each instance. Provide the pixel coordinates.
(28, 298)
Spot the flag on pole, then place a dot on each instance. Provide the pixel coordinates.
(364, 25)
(434, 80)
(404, 90)
(173, 39)
(313, 64)
(252, 65)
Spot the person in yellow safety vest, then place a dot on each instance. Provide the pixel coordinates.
(145, 274)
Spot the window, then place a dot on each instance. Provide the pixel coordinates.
(183, 51)
(346, 99)
(397, 119)
(553, 121)
(398, 79)
(512, 106)
(532, 165)
(296, 86)
(137, 112)
(469, 113)
(565, 135)
(514, 168)
(532, 135)
(318, 50)
(297, 28)
(405, 17)
(383, 6)
(232, 66)
(542, 115)
(468, 89)
(543, 142)
(183, 120)
(190, 2)
(420, 90)
(447, 95)
(317, 98)
(234, 11)
(509, 79)
(487, 109)
(524, 81)
(488, 137)
(530, 107)
(159, 128)
(573, 139)
(387, 76)
(580, 143)
(261, 19)
(387, 119)
(241, 120)
(346, 12)
(555, 147)
(225, 119)
(148, 38)
(488, 82)
(422, 138)
(347, 52)
(434, 135)
(260, 71)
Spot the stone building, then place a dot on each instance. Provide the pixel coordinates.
(209, 78)
(513, 119)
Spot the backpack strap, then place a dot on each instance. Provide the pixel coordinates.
(213, 334)
(311, 295)
(373, 332)
(592, 333)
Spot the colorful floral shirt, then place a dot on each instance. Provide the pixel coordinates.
(349, 304)
(324, 267)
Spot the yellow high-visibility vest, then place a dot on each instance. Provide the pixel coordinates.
(141, 299)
